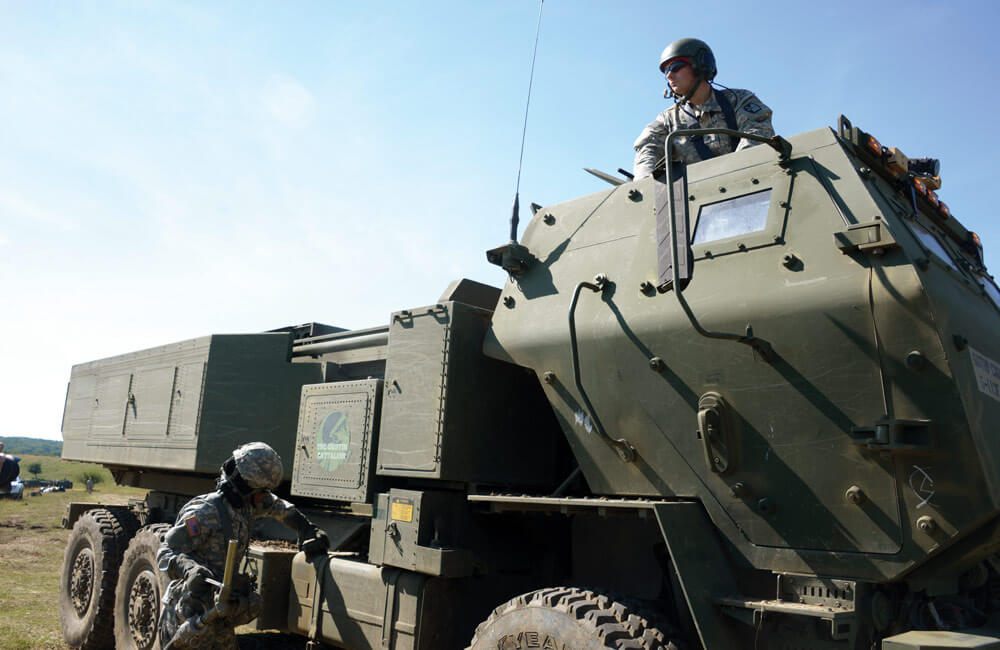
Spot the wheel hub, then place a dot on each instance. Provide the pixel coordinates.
(143, 607)
(81, 584)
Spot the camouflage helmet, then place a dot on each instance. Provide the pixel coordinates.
(259, 465)
(698, 54)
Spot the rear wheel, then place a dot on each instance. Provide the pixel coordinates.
(89, 572)
(139, 592)
(566, 617)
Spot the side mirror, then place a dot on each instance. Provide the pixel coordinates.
(672, 185)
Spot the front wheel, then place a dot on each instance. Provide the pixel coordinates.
(567, 617)
(139, 592)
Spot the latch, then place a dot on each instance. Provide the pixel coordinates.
(871, 236)
(716, 432)
(896, 436)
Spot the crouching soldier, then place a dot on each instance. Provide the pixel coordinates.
(193, 553)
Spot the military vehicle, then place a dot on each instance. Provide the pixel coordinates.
(752, 403)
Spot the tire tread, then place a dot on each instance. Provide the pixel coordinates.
(616, 622)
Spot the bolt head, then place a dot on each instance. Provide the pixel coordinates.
(915, 360)
(926, 524)
(549, 377)
(855, 495)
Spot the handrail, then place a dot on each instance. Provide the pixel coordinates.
(625, 450)
(784, 149)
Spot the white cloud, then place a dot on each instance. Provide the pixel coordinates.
(288, 102)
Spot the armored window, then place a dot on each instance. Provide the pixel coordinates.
(991, 290)
(932, 244)
(737, 216)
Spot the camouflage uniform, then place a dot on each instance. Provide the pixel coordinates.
(199, 539)
(752, 116)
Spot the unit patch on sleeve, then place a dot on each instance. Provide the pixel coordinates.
(193, 529)
(751, 107)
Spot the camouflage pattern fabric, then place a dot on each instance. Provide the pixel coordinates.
(259, 465)
(198, 538)
(752, 116)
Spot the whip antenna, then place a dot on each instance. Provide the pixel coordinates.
(524, 130)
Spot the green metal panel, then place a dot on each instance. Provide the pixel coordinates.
(449, 412)
(187, 405)
(420, 531)
(337, 433)
(354, 604)
(828, 278)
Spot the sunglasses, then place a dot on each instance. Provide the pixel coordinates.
(674, 66)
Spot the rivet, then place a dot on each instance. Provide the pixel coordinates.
(691, 198)
(741, 246)
(855, 495)
(722, 190)
(549, 377)
(783, 204)
(739, 490)
(926, 524)
(657, 364)
(754, 181)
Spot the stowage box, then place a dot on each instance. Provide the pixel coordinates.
(187, 405)
(338, 429)
(451, 413)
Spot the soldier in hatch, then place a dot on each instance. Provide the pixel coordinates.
(194, 550)
(689, 66)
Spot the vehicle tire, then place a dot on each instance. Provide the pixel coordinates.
(567, 617)
(89, 573)
(139, 591)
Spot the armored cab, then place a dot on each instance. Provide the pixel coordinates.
(747, 403)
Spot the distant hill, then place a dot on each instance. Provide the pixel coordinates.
(20, 445)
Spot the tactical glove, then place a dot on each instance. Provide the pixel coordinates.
(317, 544)
(196, 586)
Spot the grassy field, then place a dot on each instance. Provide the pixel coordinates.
(31, 551)
(32, 541)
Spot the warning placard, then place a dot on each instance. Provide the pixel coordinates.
(987, 374)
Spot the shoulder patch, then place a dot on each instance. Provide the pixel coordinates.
(193, 528)
(751, 107)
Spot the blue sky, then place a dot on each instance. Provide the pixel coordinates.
(174, 169)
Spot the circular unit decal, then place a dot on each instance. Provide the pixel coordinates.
(333, 441)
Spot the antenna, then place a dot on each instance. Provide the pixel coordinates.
(524, 130)
(512, 257)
